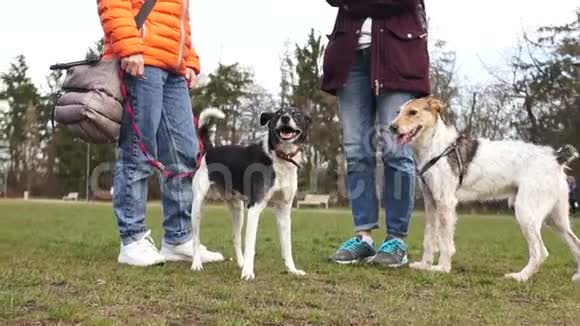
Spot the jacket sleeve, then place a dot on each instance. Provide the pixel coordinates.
(192, 60)
(119, 26)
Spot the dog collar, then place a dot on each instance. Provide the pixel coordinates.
(289, 157)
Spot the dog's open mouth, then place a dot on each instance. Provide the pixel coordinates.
(288, 133)
(405, 138)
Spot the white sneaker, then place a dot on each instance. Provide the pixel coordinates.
(141, 252)
(183, 252)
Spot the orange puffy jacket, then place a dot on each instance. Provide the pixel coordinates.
(164, 41)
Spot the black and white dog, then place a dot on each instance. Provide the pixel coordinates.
(256, 175)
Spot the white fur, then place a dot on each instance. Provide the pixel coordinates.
(527, 175)
(209, 113)
(282, 194)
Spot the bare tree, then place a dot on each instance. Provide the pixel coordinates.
(31, 151)
(258, 100)
(486, 111)
(540, 84)
(443, 77)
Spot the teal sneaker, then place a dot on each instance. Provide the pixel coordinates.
(393, 253)
(353, 251)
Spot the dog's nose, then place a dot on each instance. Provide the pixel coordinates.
(394, 129)
(285, 119)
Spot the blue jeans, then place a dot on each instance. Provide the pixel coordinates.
(163, 114)
(358, 108)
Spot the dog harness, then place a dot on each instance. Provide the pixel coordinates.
(454, 148)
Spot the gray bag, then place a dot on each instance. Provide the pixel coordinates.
(91, 105)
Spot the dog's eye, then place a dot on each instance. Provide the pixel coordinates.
(413, 112)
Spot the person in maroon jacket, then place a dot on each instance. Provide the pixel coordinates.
(376, 60)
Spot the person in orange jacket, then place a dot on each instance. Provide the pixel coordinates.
(160, 66)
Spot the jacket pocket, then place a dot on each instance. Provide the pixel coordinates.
(332, 51)
(405, 48)
(339, 52)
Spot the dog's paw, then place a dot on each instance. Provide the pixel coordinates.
(297, 272)
(240, 263)
(197, 266)
(439, 269)
(576, 277)
(248, 275)
(419, 265)
(517, 276)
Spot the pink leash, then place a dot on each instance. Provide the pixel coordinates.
(153, 162)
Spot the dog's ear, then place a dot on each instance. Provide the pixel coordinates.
(265, 118)
(435, 105)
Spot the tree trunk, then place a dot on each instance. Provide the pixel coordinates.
(469, 126)
(528, 106)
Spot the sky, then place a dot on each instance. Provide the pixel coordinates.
(253, 32)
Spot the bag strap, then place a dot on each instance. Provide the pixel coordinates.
(144, 12)
(140, 19)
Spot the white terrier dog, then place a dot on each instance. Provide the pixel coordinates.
(457, 169)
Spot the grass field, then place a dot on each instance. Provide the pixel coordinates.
(58, 265)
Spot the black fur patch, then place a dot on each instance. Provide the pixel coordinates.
(244, 170)
(467, 149)
(566, 154)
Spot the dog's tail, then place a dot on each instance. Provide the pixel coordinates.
(206, 122)
(566, 154)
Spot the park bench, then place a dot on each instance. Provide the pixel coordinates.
(71, 196)
(314, 200)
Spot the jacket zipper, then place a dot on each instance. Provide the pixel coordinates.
(144, 31)
(182, 33)
(376, 61)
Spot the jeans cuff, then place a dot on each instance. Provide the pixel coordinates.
(366, 227)
(396, 234)
(177, 238)
(132, 236)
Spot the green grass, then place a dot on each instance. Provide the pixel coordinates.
(58, 265)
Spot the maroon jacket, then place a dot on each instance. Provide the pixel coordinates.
(399, 55)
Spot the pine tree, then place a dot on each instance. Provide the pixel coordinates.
(226, 89)
(286, 75)
(21, 94)
(324, 143)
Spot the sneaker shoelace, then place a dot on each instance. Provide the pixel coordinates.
(391, 246)
(351, 244)
(148, 242)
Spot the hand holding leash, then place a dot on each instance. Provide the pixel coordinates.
(191, 78)
(133, 65)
